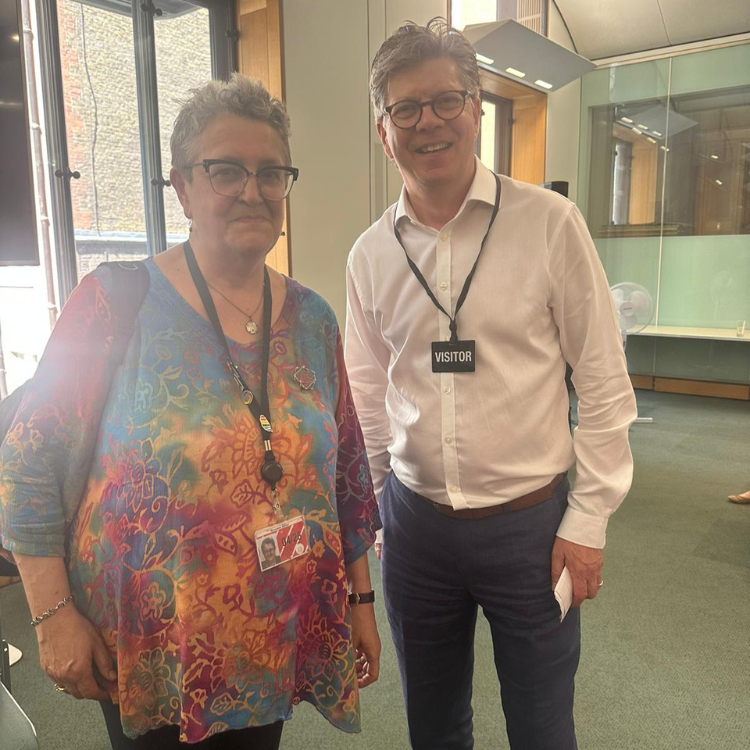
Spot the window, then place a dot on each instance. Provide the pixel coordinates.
(529, 13)
(494, 142)
(110, 75)
(118, 70)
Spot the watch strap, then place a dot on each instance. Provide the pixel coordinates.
(366, 598)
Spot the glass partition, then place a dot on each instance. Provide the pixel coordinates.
(665, 184)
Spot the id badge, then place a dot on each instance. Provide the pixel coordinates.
(282, 542)
(458, 357)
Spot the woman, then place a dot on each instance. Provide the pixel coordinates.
(229, 423)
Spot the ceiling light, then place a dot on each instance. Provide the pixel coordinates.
(651, 140)
(636, 131)
(656, 133)
(642, 127)
(485, 60)
(664, 148)
(714, 156)
(718, 182)
(16, 38)
(516, 50)
(627, 120)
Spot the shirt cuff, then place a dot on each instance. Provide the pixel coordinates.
(582, 528)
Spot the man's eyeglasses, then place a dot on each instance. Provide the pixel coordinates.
(447, 106)
(229, 178)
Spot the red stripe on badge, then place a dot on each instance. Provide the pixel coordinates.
(289, 537)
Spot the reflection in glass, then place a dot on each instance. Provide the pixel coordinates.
(627, 166)
(621, 193)
(708, 165)
(690, 152)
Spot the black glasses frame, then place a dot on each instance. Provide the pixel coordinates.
(464, 93)
(208, 163)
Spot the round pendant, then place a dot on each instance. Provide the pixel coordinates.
(251, 326)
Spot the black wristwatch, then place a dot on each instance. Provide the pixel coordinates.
(367, 598)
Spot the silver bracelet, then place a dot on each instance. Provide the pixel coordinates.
(67, 600)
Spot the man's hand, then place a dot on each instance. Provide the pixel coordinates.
(366, 644)
(378, 549)
(69, 649)
(584, 565)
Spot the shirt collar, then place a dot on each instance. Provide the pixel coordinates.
(482, 190)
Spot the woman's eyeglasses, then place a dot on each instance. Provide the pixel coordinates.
(229, 178)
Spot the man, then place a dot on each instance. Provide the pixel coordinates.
(459, 382)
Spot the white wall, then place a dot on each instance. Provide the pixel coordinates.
(344, 182)
(563, 115)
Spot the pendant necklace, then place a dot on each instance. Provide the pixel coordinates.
(251, 326)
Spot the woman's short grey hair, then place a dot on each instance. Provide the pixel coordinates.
(239, 96)
(413, 44)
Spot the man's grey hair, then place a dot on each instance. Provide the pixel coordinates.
(239, 96)
(413, 44)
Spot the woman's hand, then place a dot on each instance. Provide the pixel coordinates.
(69, 646)
(69, 651)
(366, 644)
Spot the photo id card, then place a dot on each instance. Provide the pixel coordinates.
(282, 542)
(458, 357)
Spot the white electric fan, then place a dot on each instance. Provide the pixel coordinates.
(635, 309)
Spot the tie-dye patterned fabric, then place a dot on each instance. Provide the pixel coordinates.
(161, 549)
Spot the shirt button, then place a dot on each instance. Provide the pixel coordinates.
(449, 440)
(444, 236)
(447, 389)
(443, 285)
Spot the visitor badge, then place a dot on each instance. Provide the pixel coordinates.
(453, 357)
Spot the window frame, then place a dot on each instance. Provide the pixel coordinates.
(503, 132)
(223, 36)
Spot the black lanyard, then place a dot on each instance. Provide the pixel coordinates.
(467, 283)
(271, 470)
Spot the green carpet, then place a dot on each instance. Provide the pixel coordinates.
(666, 645)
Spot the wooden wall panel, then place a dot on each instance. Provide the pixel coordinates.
(259, 53)
(702, 388)
(529, 148)
(644, 382)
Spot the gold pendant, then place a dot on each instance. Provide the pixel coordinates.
(251, 326)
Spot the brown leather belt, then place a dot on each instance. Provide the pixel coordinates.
(518, 503)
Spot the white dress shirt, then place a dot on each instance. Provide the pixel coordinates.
(539, 297)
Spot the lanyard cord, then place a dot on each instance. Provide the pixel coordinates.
(271, 470)
(464, 292)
